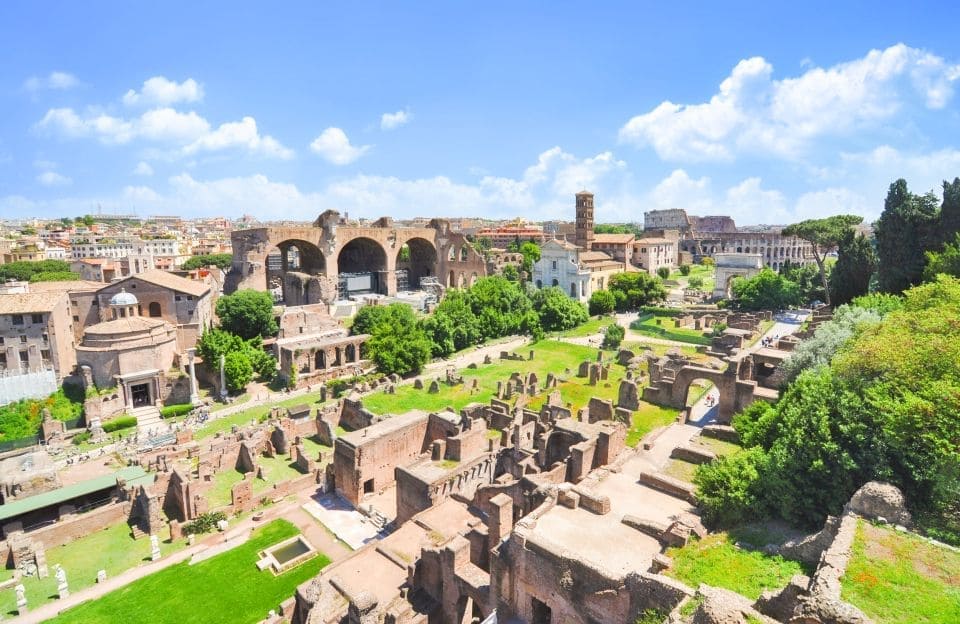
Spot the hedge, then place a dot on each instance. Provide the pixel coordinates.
(177, 409)
(122, 422)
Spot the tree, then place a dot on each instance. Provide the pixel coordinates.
(511, 273)
(950, 211)
(684, 270)
(237, 370)
(222, 261)
(398, 343)
(856, 263)
(766, 290)
(828, 339)
(807, 279)
(557, 311)
(214, 343)
(635, 289)
(695, 282)
(247, 313)
(613, 336)
(824, 235)
(663, 273)
(54, 276)
(24, 270)
(531, 255)
(946, 261)
(499, 305)
(707, 261)
(904, 232)
(453, 325)
(601, 302)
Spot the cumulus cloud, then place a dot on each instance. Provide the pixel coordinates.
(188, 133)
(159, 91)
(334, 146)
(143, 169)
(52, 178)
(754, 113)
(389, 121)
(57, 81)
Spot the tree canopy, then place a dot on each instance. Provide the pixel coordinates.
(221, 261)
(25, 270)
(946, 261)
(884, 407)
(557, 311)
(247, 313)
(398, 342)
(856, 264)
(904, 232)
(766, 290)
(602, 302)
(824, 235)
(634, 289)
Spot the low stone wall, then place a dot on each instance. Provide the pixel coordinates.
(674, 487)
(75, 526)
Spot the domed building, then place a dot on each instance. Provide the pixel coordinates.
(130, 352)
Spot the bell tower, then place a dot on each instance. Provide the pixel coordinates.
(584, 238)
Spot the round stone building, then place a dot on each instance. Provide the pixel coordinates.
(129, 352)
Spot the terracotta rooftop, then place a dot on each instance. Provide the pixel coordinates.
(171, 281)
(613, 239)
(65, 286)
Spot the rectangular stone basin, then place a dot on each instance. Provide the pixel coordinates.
(286, 555)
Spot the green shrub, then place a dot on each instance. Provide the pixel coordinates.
(659, 311)
(80, 438)
(204, 523)
(178, 409)
(684, 270)
(121, 422)
(613, 336)
(663, 272)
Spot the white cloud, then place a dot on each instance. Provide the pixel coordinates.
(143, 169)
(52, 178)
(753, 113)
(389, 121)
(189, 132)
(242, 134)
(58, 80)
(159, 91)
(334, 146)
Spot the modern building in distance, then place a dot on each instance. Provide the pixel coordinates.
(502, 236)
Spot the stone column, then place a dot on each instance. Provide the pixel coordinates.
(194, 392)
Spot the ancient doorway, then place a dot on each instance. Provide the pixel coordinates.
(541, 612)
(140, 395)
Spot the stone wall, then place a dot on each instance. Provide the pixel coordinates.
(74, 526)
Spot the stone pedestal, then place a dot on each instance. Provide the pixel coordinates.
(154, 548)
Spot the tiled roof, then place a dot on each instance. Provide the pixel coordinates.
(171, 281)
(613, 239)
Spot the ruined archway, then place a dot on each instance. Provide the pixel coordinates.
(291, 266)
(415, 260)
(363, 268)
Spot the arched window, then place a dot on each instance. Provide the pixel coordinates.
(573, 289)
(539, 284)
(319, 362)
(556, 282)
(154, 309)
(464, 253)
(452, 255)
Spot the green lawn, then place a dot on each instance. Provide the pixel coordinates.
(715, 561)
(550, 356)
(661, 349)
(243, 417)
(227, 587)
(719, 447)
(680, 469)
(666, 331)
(697, 270)
(595, 325)
(648, 418)
(112, 549)
(894, 578)
(276, 469)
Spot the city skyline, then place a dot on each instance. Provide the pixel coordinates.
(467, 111)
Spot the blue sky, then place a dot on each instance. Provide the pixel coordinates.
(769, 112)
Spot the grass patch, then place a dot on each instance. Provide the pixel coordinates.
(719, 447)
(112, 549)
(243, 417)
(276, 469)
(661, 349)
(594, 326)
(550, 356)
(648, 418)
(761, 332)
(896, 577)
(680, 469)
(226, 585)
(647, 325)
(715, 561)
